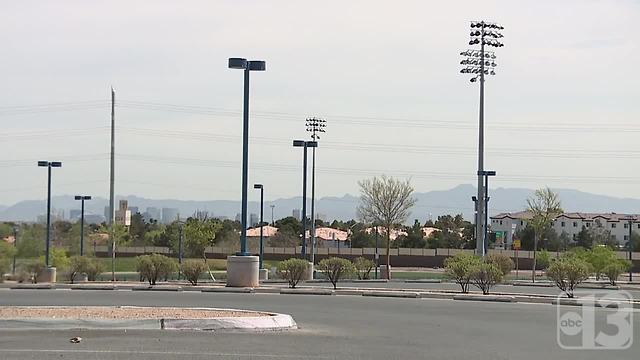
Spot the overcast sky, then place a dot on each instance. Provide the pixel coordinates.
(562, 111)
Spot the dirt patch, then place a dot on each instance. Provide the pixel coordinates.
(119, 312)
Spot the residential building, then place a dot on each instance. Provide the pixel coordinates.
(330, 237)
(570, 223)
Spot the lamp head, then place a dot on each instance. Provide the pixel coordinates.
(78, 197)
(237, 63)
(257, 65)
(257, 186)
(43, 163)
(312, 144)
(56, 164)
(298, 142)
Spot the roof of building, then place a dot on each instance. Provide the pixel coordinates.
(527, 215)
(267, 231)
(381, 230)
(10, 239)
(327, 233)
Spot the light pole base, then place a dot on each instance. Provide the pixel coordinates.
(242, 271)
(383, 272)
(264, 274)
(48, 275)
(308, 275)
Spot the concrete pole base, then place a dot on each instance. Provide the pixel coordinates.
(383, 271)
(309, 273)
(242, 271)
(48, 275)
(264, 274)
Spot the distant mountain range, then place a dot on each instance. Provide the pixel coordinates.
(430, 204)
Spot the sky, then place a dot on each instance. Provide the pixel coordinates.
(562, 110)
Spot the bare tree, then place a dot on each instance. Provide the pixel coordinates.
(385, 201)
(544, 206)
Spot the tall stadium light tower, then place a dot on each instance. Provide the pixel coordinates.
(479, 63)
(315, 126)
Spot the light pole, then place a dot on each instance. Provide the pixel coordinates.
(48, 165)
(314, 126)
(82, 198)
(259, 186)
(630, 245)
(272, 223)
(304, 145)
(485, 239)
(480, 63)
(15, 245)
(247, 66)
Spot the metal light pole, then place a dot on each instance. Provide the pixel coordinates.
(15, 245)
(630, 244)
(272, 223)
(48, 165)
(259, 186)
(314, 126)
(82, 198)
(112, 176)
(377, 256)
(481, 63)
(247, 66)
(180, 251)
(304, 145)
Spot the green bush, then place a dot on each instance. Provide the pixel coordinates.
(568, 272)
(363, 267)
(6, 257)
(94, 269)
(502, 262)
(57, 258)
(35, 269)
(77, 265)
(293, 270)
(543, 260)
(336, 268)
(485, 276)
(155, 266)
(459, 268)
(192, 269)
(614, 269)
(599, 257)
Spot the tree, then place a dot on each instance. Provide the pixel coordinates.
(363, 267)
(459, 268)
(414, 238)
(544, 260)
(362, 239)
(385, 201)
(58, 259)
(336, 268)
(544, 206)
(583, 239)
(502, 262)
(31, 240)
(452, 232)
(485, 276)
(192, 269)
(568, 272)
(94, 269)
(6, 255)
(155, 266)
(293, 270)
(200, 234)
(601, 236)
(78, 265)
(599, 257)
(614, 269)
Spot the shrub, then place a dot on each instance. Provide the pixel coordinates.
(192, 269)
(35, 269)
(363, 267)
(155, 266)
(567, 273)
(614, 269)
(58, 259)
(502, 262)
(459, 268)
(6, 256)
(336, 268)
(77, 265)
(543, 260)
(485, 276)
(599, 257)
(293, 270)
(94, 268)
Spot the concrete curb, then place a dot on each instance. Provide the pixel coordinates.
(94, 287)
(32, 286)
(496, 298)
(157, 288)
(303, 291)
(229, 290)
(392, 294)
(47, 323)
(424, 281)
(244, 324)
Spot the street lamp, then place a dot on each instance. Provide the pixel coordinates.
(485, 239)
(48, 165)
(272, 207)
(314, 126)
(479, 63)
(304, 145)
(15, 245)
(82, 198)
(259, 186)
(247, 66)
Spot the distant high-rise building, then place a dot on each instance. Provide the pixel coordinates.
(123, 214)
(134, 209)
(253, 220)
(169, 215)
(296, 214)
(153, 213)
(238, 217)
(74, 214)
(93, 219)
(321, 216)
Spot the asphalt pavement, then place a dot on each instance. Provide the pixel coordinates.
(331, 327)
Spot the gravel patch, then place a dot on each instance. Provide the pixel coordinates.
(120, 312)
